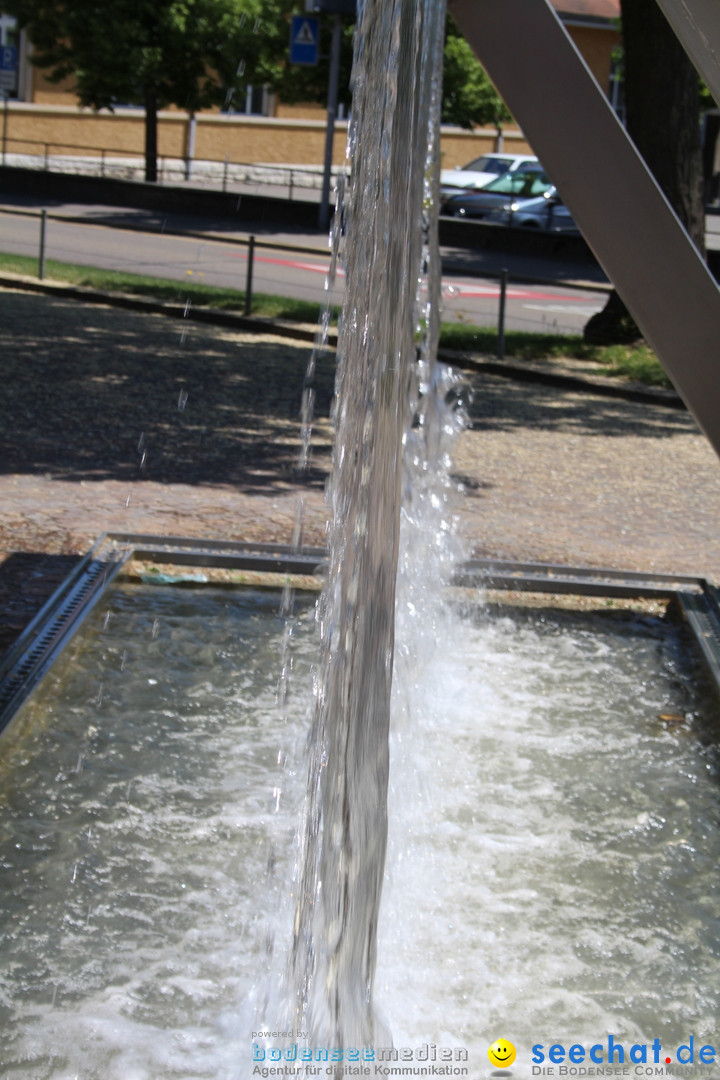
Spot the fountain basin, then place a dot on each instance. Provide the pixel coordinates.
(553, 841)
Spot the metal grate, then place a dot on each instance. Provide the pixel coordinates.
(43, 640)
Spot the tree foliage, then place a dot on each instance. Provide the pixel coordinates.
(198, 53)
(155, 53)
(469, 98)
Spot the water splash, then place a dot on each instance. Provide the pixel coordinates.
(339, 881)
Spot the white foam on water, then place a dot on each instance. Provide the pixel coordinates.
(550, 881)
(552, 869)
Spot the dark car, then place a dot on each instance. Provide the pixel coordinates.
(528, 183)
(547, 213)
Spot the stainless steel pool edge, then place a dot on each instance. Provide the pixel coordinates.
(50, 631)
(42, 641)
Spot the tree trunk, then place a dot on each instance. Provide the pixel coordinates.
(662, 99)
(151, 136)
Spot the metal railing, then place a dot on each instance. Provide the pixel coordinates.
(296, 181)
(253, 243)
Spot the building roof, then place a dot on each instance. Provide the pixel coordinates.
(592, 10)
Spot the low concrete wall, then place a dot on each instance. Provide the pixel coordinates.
(477, 235)
(63, 129)
(60, 129)
(247, 210)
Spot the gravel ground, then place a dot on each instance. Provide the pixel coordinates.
(115, 420)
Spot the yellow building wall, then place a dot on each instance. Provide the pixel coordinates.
(295, 135)
(596, 46)
(458, 147)
(45, 92)
(59, 129)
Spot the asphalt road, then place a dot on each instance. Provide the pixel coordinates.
(470, 295)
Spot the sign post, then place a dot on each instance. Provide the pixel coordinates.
(324, 213)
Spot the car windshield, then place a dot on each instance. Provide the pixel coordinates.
(489, 165)
(523, 183)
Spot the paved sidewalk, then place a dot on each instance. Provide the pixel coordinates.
(118, 420)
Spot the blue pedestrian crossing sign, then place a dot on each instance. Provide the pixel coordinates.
(304, 38)
(8, 67)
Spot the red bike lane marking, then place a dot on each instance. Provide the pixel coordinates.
(451, 290)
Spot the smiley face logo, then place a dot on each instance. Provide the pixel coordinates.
(501, 1053)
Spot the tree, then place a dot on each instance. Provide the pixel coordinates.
(153, 53)
(662, 99)
(197, 53)
(469, 98)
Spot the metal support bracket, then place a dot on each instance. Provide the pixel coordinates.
(614, 198)
(697, 26)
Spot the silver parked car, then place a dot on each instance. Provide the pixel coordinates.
(547, 213)
(527, 183)
(480, 172)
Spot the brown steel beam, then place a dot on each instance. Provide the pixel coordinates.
(615, 200)
(697, 25)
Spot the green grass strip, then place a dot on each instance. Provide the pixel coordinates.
(164, 289)
(637, 363)
(634, 362)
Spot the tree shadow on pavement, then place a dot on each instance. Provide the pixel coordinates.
(93, 393)
(502, 404)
